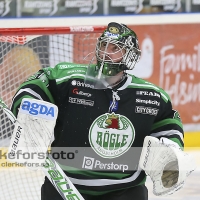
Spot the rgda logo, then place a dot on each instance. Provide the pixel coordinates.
(38, 108)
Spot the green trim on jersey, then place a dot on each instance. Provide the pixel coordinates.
(66, 78)
(41, 85)
(165, 122)
(64, 71)
(95, 193)
(177, 141)
(90, 173)
(140, 83)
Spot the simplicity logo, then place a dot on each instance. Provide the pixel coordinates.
(154, 102)
(91, 163)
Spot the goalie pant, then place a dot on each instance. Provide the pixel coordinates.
(86, 117)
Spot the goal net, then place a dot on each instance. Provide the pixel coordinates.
(23, 52)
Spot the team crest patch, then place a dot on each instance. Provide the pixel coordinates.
(111, 135)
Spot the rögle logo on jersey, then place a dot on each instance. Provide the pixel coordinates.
(111, 135)
(38, 108)
(81, 84)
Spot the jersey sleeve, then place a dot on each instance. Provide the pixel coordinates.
(36, 87)
(168, 122)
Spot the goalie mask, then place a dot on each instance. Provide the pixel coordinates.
(124, 44)
(117, 50)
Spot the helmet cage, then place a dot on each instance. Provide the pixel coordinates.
(129, 58)
(132, 55)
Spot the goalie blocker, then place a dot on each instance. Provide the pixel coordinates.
(166, 164)
(32, 135)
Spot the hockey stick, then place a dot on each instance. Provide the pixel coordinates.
(51, 169)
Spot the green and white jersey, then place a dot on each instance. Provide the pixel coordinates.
(106, 128)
